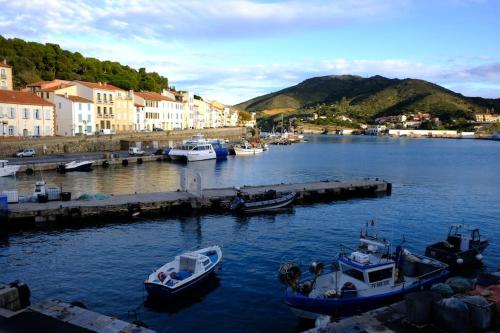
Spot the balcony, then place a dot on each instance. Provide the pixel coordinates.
(111, 115)
(99, 101)
(99, 115)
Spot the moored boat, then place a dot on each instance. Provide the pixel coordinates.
(7, 170)
(221, 151)
(463, 246)
(265, 202)
(75, 166)
(247, 149)
(196, 148)
(366, 278)
(184, 273)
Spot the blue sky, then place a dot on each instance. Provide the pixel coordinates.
(236, 50)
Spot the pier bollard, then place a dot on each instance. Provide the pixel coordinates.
(125, 162)
(29, 171)
(139, 161)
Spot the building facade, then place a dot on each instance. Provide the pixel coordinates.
(5, 76)
(75, 115)
(25, 114)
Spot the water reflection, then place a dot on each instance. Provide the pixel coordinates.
(187, 299)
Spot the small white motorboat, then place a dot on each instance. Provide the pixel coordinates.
(247, 149)
(184, 273)
(7, 170)
(75, 166)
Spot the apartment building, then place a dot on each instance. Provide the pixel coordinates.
(25, 114)
(75, 115)
(158, 111)
(114, 107)
(5, 76)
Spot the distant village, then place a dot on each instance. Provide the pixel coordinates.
(69, 108)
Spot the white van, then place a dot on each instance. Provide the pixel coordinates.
(134, 151)
(105, 131)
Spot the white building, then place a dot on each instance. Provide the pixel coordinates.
(25, 114)
(74, 115)
(375, 130)
(423, 133)
(156, 111)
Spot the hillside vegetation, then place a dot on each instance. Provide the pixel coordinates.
(33, 62)
(364, 99)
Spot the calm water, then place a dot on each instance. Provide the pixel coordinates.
(435, 183)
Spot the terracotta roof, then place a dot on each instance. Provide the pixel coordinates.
(2, 64)
(22, 97)
(102, 86)
(37, 84)
(76, 98)
(60, 86)
(138, 105)
(152, 96)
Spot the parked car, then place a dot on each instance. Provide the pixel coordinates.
(26, 153)
(157, 129)
(105, 131)
(134, 151)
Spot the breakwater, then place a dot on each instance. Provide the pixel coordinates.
(182, 202)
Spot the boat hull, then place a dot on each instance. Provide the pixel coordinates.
(9, 171)
(437, 252)
(83, 167)
(188, 156)
(312, 308)
(158, 291)
(243, 152)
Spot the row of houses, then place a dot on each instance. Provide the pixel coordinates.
(68, 108)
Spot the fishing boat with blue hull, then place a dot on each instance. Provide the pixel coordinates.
(361, 280)
(221, 151)
(186, 272)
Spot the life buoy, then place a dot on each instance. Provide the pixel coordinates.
(161, 276)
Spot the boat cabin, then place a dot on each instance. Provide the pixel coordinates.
(462, 238)
(366, 271)
(4, 163)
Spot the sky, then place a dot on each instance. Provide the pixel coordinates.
(236, 50)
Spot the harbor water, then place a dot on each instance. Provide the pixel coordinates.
(436, 182)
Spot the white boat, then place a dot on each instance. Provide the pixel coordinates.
(246, 149)
(7, 170)
(193, 151)
(185, 272)
(75, 166)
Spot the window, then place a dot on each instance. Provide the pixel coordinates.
(98, 97)
(36, 131)
(3, 72)
(89, 129)
(105, 110)
(381, 274)
(26, 113)
(47, 94)
(48, 114)
(88, 107)
(104, 95)
(89, 118)
(110, 110)
(48, 130)
(59, 105)
(80, 106)
(12, 130)
(99, 109)
(4, 85)
(80, 129)
(352, 272)
(12, 113)
(110, 97)
(80, 119)
(37, 114)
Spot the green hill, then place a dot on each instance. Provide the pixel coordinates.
(364, 99)
(33, 62)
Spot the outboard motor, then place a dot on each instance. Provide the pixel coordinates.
(316, 268)
(237, 203)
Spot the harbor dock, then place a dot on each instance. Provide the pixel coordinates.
(189, 201)
(17, 315)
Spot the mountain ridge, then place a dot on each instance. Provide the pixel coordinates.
(368, 98)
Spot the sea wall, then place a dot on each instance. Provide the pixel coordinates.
(84, 144)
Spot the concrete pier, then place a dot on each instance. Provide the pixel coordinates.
(183, 202)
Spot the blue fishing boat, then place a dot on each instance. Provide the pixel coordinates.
(361, 280)
(184, 273)
(221, 151)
